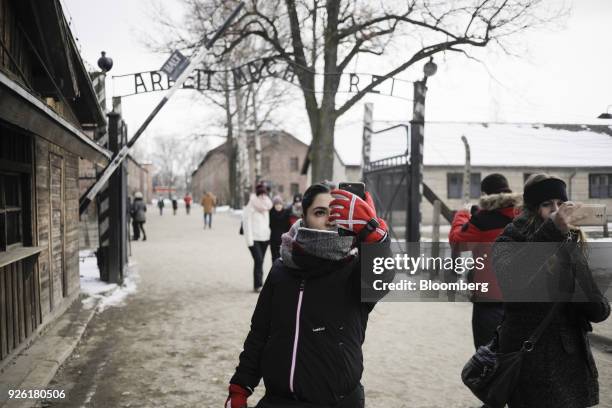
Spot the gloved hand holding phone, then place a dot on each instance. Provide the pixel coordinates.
(357, 215)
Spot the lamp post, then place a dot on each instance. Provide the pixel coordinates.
(417, 131)
(606, 114)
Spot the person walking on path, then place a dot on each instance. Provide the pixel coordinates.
(476, 233)
(312, 357)
(138, 211)
(256, 228)
(295, 209)
(174, 205)
(209, 201)
(160, 205)
(279, 224)
(559, 371)
(187, 199)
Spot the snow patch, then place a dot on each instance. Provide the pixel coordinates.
(99, 292)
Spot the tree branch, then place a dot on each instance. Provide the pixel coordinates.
(421, 54)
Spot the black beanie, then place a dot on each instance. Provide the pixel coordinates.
(544, 190)
(494, 184)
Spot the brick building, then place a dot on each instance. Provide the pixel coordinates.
(46, 104)
(281, 161)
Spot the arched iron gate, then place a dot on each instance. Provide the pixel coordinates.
(387, 181)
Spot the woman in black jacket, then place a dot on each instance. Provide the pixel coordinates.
(538, 259)
(279, 224)
(309, 323)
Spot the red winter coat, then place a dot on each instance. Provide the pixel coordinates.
(476, 233)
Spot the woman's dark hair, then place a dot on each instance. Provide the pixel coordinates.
(310, 194)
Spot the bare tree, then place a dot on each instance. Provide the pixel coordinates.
(320, 38)
(168, 156)
(240, 108)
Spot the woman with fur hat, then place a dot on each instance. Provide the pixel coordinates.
(309, 323)
(537, 259)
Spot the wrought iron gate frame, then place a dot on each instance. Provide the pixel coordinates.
(393, 164)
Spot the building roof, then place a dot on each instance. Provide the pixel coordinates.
(56, 71)
(56, 49)
(505, 144)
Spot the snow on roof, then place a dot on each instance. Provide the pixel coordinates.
(497, 144)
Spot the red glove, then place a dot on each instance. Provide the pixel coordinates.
(358, 216)
(237, 397)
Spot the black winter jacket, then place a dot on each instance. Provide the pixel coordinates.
(306, 333)
(560, 372)
(279, 224)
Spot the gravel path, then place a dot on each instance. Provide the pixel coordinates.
(176, 341)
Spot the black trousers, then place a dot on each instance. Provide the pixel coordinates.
(486, 316)
(137, 227)
(275, 250)
(258, 251)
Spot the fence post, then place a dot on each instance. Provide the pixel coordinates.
(435, 234)
(116, 218)
(417, 126)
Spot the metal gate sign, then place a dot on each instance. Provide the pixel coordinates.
(175, 65)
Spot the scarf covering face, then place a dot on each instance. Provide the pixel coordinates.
(260, 203)
(300, 245)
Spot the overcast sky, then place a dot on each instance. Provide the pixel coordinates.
(565, 77)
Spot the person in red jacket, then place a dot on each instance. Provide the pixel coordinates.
(475, 231)
(187, 199)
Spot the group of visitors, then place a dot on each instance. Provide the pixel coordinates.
(137, 210)
(559, 371)
(174, 201)
(264, 221)
(309, 323)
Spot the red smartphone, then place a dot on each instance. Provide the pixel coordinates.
(356, 188)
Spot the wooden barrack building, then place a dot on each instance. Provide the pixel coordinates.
(48, 115)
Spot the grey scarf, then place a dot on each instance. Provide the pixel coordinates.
(326, 245)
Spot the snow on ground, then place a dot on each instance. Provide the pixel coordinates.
(108, 294)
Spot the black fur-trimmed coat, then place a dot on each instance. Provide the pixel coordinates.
(560, 372)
